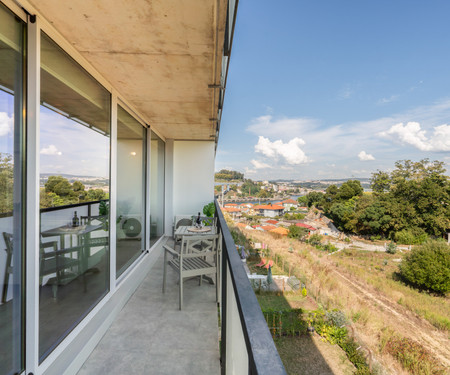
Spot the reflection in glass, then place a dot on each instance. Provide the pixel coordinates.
(156, 189)
(130, 190)
(74, 192)
(11, 168)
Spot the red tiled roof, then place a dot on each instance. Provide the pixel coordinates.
(280, 230)
(290, 201)
(241, 225)
(303, 225)
(272, 222)
(268, 227)
(231, 209)
(229, 204)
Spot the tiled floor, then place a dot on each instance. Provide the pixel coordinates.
(152, 336)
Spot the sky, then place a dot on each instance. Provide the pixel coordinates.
(336, 89)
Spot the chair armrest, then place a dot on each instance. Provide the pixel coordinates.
(170, 250)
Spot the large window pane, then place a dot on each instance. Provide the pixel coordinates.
(74, 192)
(130, 190)
(11, 168)
(156, 189)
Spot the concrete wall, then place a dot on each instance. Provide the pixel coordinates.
(193, 176)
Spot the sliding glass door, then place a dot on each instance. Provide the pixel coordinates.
(131, 155)
(12, 46)
(74, 194)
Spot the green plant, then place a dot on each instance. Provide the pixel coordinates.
(304, 292)
(315, 239)
(209, 209)
(391, 248)
(415, 236)
(428, 266)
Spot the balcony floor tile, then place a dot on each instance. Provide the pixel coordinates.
(151, 336)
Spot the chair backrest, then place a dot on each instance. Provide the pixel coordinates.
(89, 219)
(203, 244)
(183, 222)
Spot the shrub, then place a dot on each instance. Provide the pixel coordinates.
(336, 317)
(304, 292)
(315, 239)
(428, 266)
(297, 232)
(391, 248)
(414, 236)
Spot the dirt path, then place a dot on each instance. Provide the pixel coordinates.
(432, 339)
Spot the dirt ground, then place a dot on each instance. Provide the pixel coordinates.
(352, 294)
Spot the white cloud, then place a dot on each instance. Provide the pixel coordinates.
(392, 98)
(283, 128)
(290, 151)
(365, 156)
(249, 171)
(413, 134)
(259, 165)
(345, 93)
(6, 123)
(50, 150)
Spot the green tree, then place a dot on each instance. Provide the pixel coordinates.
(6, 182)
(77, 186)
(96, 195)
(428, 266)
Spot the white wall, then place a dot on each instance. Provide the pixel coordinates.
(193, 176)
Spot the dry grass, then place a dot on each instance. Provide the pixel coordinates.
(372, 270)
(378, 269)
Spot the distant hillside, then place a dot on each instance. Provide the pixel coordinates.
(227, 175)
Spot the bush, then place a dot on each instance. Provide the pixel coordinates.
(315, 239)
(297, 232)
(414, 236)
(391, 248)
(428, 266)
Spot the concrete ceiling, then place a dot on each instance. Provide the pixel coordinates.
(161, 55)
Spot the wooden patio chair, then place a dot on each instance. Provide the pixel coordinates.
(191, 261)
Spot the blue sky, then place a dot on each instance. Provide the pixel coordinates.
(335, 89)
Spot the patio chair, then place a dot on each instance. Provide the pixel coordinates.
(60, 263)
(191, 262)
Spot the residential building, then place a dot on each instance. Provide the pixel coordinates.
(269, 210)
(131, 93)
(288, 203)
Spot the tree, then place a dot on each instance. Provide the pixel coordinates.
(58, 185)
(263, 194)
(6, 183)
(96, 194)
(77, 186)
(380, 182)
(428, 266)
(349, 189)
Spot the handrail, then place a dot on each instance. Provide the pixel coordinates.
(56, 208)
(263, 357)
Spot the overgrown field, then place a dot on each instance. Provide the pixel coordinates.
(364, 286)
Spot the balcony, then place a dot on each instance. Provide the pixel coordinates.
(151, 333)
